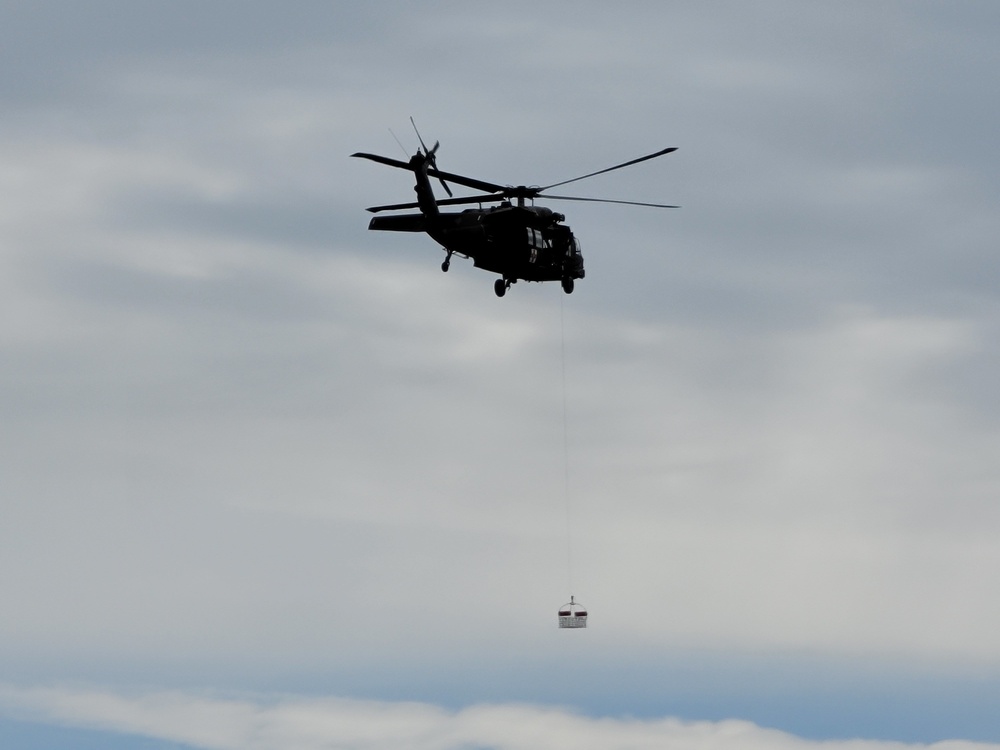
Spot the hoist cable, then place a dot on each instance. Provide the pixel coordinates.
(565, 410)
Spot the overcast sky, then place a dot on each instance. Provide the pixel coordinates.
(271, 480)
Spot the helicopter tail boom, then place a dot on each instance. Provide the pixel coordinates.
(399, 223)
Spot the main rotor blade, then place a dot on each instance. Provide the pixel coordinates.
(471, 199)
(393, 207)
(384, 160)
(458, 179)
(445, 202)
(611, 169)
(469, 182)
(602, 200)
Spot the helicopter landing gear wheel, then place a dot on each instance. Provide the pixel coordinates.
(447, 263)
(567, 285)
(500, 287)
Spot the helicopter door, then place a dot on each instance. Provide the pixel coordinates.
(536, 242)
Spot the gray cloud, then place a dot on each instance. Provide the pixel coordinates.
(240, 428)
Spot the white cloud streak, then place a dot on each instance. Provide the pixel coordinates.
(296, 723)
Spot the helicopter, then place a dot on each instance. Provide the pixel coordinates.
(518, 241)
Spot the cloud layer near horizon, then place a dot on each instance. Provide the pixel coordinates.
(297, 723)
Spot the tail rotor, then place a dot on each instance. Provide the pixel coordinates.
(430, 155)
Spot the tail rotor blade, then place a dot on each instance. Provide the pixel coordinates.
(431, 155)
(422, 144)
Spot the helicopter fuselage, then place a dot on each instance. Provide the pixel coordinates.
(518, 242)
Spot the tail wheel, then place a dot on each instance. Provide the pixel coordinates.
(500, 287)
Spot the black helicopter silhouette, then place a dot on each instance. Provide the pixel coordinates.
(519, 242)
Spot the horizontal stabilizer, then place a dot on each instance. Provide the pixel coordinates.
(402, 223)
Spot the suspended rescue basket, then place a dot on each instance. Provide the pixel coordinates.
(572, 615)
